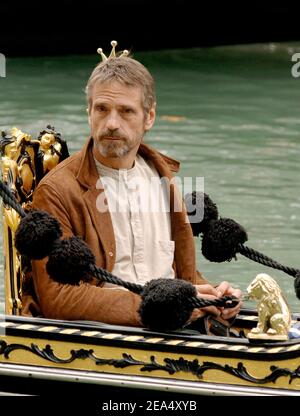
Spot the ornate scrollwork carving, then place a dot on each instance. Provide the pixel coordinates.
(171, 366)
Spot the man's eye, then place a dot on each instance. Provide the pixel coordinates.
(128, 110)
(101, 108)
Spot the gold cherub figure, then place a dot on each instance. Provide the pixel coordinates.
(274, 316)
(27, 148)
(9, 148)
(10, 172)
(52, 149)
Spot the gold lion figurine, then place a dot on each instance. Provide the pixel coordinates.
(274, 317)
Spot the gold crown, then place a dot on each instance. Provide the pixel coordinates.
(113, 52)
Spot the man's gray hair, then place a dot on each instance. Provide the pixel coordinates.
(127, 71)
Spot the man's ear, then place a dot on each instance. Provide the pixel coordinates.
(150, 117)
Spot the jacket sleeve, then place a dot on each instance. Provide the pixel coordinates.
(86, 301)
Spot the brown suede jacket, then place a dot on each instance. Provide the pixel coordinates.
(69, 193)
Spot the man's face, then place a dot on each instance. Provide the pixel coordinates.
(117, 119)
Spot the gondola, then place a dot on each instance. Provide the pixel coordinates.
(39, 355)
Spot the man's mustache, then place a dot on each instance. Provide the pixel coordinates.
(112, 135)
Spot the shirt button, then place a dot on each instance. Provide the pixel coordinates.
(111, 254)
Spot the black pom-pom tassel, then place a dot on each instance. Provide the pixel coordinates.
(166, 304)
(201, 211)
(70, 261)
(36, 234)
(220, 243)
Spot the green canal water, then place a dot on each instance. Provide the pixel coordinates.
(238, 126)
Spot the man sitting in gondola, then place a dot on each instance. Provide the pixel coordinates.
(98, 194)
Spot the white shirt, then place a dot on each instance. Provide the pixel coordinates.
(141, 221)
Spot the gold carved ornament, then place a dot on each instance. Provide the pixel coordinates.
(24, 162)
